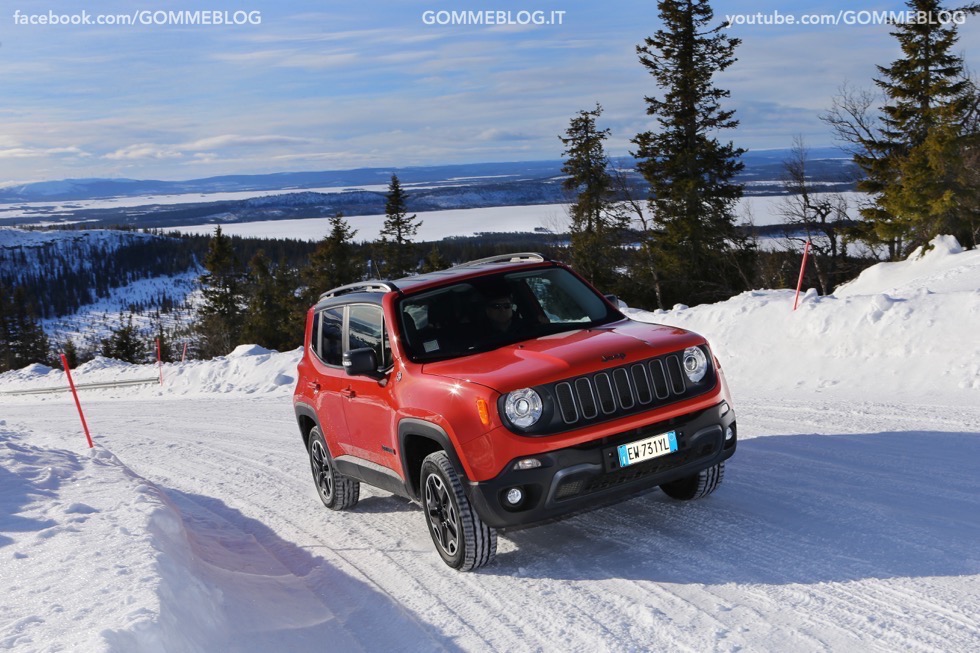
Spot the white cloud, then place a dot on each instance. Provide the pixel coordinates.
(234, 140)
(30, 152)
(143, 151)
(290, 58)
(502, 135)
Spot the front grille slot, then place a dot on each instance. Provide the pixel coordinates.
(644, 391)
(607, 398)
(677, 385)
(659, 379)
(586, 399)
(566, 403)
(623, 390)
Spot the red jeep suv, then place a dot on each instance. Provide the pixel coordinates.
(501, 393)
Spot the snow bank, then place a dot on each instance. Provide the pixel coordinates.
(944, 268)
(249, 369)
(906, 329)
(101, 560)
(77, 550)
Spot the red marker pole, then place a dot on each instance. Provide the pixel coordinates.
(799, 284)
(159, 362)
(183, 357)
(78, 404)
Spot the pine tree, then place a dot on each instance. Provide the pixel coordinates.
(395, 245)
(270, 319)
(291, 319)
(22, 338)
(689, 170)
(596, 224)
(434, 261)
(71, 353)
(332, 263)
(6, 354)
(125, 343)
(220, 316)
(162, 340)
(915, 152)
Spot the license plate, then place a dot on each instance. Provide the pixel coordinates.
(652, 447)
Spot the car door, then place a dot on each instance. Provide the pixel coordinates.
(368, 402)
(329, 381)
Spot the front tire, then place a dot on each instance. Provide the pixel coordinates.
(337, 492)
(462, 539)
(696, 486)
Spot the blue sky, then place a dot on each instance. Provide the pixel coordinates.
(331, 85)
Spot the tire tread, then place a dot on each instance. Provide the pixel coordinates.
(479, 541)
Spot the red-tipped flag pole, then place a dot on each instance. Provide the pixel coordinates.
(78, 404)
(159, 362)
(799, 284)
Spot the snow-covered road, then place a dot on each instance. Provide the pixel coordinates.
(845, 526)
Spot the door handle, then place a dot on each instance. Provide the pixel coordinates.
(314, 386)
(348, 392)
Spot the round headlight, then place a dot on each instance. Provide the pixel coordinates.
(523, 407)
(695, 364)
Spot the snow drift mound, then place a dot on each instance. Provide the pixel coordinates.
(944, 268)
(249, 369)
(900, 329)
(89, 513)
(148, 572)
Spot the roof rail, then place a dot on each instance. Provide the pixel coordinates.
(506, 258)
(360, 286)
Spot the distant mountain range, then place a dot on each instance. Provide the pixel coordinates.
(353, 192)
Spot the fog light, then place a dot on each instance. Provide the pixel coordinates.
(527, 463)
(729, 434)
(514, 496)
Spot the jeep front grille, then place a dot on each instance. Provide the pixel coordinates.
(621, 390)
(616, 392)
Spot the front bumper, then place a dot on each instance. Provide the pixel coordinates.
(588, 476)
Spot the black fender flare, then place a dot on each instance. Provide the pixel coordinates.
(306, 411)
(409, 427)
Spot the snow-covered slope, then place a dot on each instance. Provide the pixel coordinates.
(51, 257)
(24, 251)
(900, 329)
(847, 520)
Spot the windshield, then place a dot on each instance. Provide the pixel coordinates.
(488, 312)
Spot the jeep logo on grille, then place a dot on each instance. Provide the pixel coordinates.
(612, 357)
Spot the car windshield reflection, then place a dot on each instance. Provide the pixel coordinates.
(488, 312)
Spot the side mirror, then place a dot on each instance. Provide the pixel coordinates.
(362, 362)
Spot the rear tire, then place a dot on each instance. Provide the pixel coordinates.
(696, 486)
(462, 539)
(337, 492)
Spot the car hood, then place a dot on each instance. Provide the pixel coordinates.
(563, 355)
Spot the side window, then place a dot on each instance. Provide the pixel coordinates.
(328, 342)
(366, 329)
(315, 334)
